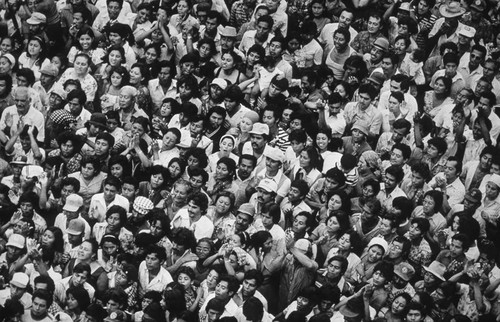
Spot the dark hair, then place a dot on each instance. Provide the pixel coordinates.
(199, 154)
(422, 224)
(199, 199)
(258, 239)
(344, 263)
(45, 279)
(268, 19)
(406, 245)
(43, 295)
(345, 199)
(368, 89)
(113, 48)
(439, 143)
(386, 269)
(301, 185)
(437, 196)
(447, 84)
(115, 209)
(158, 250)
(250, 157)
(298, 135)
(230, 164)
(372, 183)
(274, 211)
(8, 82)
(395, 171)
(185, 237)
(315, 157)
(464, 239)
(123, 162)
(58, 245)
(28, 74)
(96, 163)
(196, 172)
(398, 96)
(233, 283)
(81, 296)
(123, 72)
(344, 32)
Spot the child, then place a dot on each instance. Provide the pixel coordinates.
(348, 166)
(118, 77)
(262, 80)
(412, 66)
(185, 278)
(149, 297)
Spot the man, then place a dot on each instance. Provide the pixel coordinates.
(117, 34)
(252, 280)
(310, 55)
(162, 87)
(259, 137)
(453, 189)
(276, 47)
(101, 202)
(274, 171)
(17, 291)
(37, 23)
(403, 273)
(389, 67)
(274, 95)
(215, 128)
(68, 11)
(374, 57)
(246, 166)
(76, 106)
(194, 217)
(393, 177)
(477, 19)
(241, 12)
(433, 64)
(110, 13)
(244, 219)
(295, 203)
(450, 61)
(471, 64)
(264, 197)
(445, 28)
(214, 309)
(152, 275)
(232, 102)
(333, 117)
(104, 142)
(73, 204)
(364, 111)
(210, 29)
(224, 291)
(399, 134)
(262, 35)
(363, 41)
(48, 77)
(23, 110)
(357, 143)
(490, 70)
(39, 312)
(416, 312)
(81, 273)
(311, 91)
(138, 220)
(23, 143)
(128, 109)
(465, 36)
(345, 20)
(227, 43)
(484, 108)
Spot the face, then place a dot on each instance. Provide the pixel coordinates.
(151, 56)
(85, 251)
(101, 147)
(414, 232)
(22, 102)
(414, 315)
(222, 290)
(39, 307)
(334, 269)
(184, 280)
(88, 171)
(400, 47)
(227, 43)
(114, 9)
(378, 279)
(110, 193)
(398, 305)
(5, 66)
(6, 46)
(476, 58)
(157, 181)
(304, 159)
(227, 62)
(269, 118)
(293, 45)
(135, 76)
(196, 182)
(299, 224)
(152, 262)
(48, 238)
(34, 48)
(175, 170)
(492, 190)
(115, 58)
(375, 254)
(245, 168)
(79, 279)
(142, 15)
(110, 248)
(373, 25)
(125, 101)
(114, 221)
(395, 250)
(345, 19)
(249, 287)
(262, 29)
(322, 141)
(222, 171)
(387, 66)
(182, 8)
(339, 41)
(258, 141)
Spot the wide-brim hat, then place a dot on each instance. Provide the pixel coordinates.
(437, 269)
(451, 10)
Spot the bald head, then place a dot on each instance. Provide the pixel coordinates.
(22, 99)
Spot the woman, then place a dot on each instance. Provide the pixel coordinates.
(364, 271)
(107, 255)
(398, 308)
(222, 178)
(119, 167)
(155, 188)
(255, 55)
(139, 77)
(221, 214)
(160, 228)
(52, 241)
(188, 90)
(70, 145)
(327, 234)
(151, 61)
(207, 50)
(227, 143)
(369, 167)
(204, 249)
(425, 19)
(322, 144)
(90, 178)
(344, 90)
(431, 209)
(336, 200)
(183, 16)
(229, 68)
(293, 41)
(420, 250)
(356, 71)
(77, 301)
(139, 131)
(142, 25)
(7, 45)
(350, 247)
(116, 219)
(35, 56)
(178, 199)
(115, 57)
(176, 168)
(490, 207)
(309, 166)
(318, 14)
(340, 52)
(435, 99)
(196, 158)
(210, 282)
(86, 45)
(110, 88)
(242, 131)
(7, 64)
(87, 253)
(80, 71)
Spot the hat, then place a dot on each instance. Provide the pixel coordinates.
(268, 185)
(479, 5)
(50, 70)
(10, 58)
(274, 154)
(128, 91)
(37, 18)
(437, 269)
(62, 317)
(405, 6)
(303, 245)
(247, 208)
(474, 195)
(110, 238)
(73, 202)
(227, 136)
(19, 160)
(495, 178)
(31, 171)
(228, 31)
(252, 115)
(76, 227)
(59, 90)
(378, 78)
(381, 43)
(260, 129)
(219, 82)
(467, 31)
(143, 205)
(20, 280)
(404, 270)
(130, 271)
(280, 83)
(361, 126)
(379, 241)
(451, 9)
(116, 316)
(62, 117)
(16, 240)
(98, 119)
(353, 308)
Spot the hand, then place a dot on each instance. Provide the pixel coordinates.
(32, 246)
(195, 140)
(290, 241)
(320, 105)
(155, 147)
(30, 130)
(14, 198)
(9, 120)
(43, 179)
(65, 258)
(20, 125)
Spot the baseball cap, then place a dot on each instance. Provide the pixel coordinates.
(19, 160)
(474, 195)
(303, 244)
(268, 185)
(73, 202)
(479, 5)
(143, 205)
(76, 227)
(405, 6)
(31, 171)
(228, 31)
(11, 58)
(382, 43)
(50, 70)
(37, 18)
(20, 280)
(404, 270)
(59, 90)
(17, 241)
(219, 82)
(248, 209)
(274, 154)
(260, 129)
(377, 77)
(379, 241)
(467, 31)
(116, 316)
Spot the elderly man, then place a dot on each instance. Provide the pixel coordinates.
(128, 108)
(17, 291)
(22, 114)
(259, 137)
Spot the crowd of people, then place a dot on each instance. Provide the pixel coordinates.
(249, 161)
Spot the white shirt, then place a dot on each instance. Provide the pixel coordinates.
(326, 36)
(32, 117)
(64, 284)
(61, 221)
(201, 228)
(98, 206)
(159, 283)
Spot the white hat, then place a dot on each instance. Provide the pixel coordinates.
(467, 31)
(268, 185)
(379, 241)
(17, 241)
(73, 202)
(495, 178)
(219, 82)
(260, 129)
(274, 154)
(20, 280)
